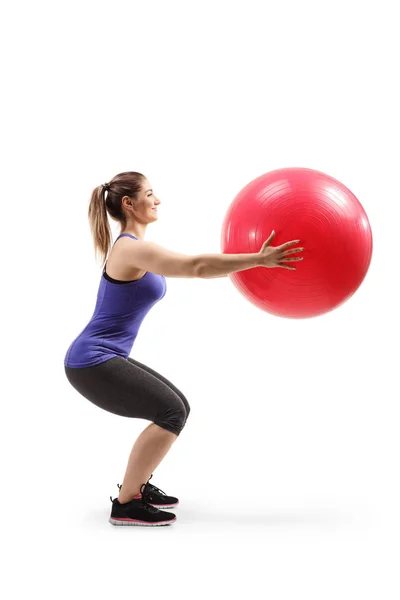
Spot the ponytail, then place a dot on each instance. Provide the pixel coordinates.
(123, 184)
(99, 224)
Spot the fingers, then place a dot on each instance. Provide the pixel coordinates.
(269, 240)
(287, 245)
(293, 259)
(286, 259)
(292, 251)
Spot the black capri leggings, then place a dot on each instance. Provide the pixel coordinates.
(130, 389)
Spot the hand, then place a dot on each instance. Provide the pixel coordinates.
(276, 256)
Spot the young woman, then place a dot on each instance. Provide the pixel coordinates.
(97, 363)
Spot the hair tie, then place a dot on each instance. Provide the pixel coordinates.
(106, 186)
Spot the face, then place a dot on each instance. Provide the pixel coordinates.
(148, 200)
(144, 209)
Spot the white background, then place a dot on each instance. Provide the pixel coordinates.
(287, 470)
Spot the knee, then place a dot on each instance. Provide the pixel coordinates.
(172, 418)
(186, 404)
(187, 408)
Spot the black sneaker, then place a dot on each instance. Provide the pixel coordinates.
(139, 512)
(157, 497)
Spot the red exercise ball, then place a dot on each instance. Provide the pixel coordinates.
(332, 227)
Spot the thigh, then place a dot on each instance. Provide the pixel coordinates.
(125, 389)
(162, 379)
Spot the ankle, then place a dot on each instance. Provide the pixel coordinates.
(124, 498)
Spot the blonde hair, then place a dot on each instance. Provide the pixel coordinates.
(107, 199)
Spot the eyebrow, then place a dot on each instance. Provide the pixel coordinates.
(148, 191)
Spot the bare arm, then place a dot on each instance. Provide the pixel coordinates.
(221, 265)
(152, 257)
(161, 261)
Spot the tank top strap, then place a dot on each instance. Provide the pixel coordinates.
(127, 234)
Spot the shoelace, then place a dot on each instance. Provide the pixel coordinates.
(153, 488)
(145, 492)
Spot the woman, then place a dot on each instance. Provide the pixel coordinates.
(97, 363)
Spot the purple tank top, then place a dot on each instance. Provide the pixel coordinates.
(118, 314)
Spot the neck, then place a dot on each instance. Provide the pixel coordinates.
(137, 229)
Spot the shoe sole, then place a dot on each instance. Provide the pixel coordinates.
(162, 506)
(137, 522)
